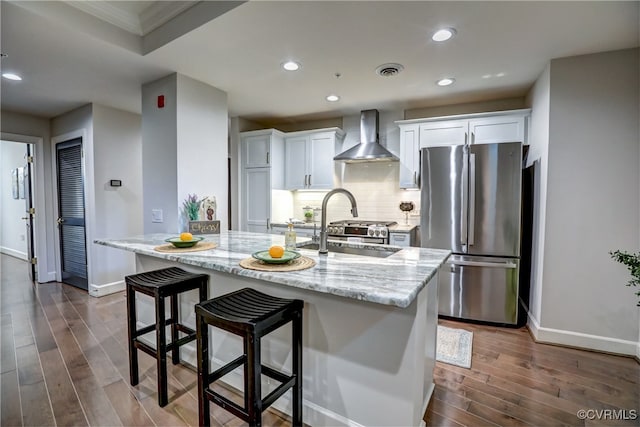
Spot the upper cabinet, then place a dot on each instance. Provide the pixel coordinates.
(481, 128)
(309, 158)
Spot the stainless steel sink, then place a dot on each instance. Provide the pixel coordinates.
(353, 249)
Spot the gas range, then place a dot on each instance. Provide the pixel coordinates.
(360, 230)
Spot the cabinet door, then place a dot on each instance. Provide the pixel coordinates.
(322, 151)
(509, 128)
(295, 163)
(399, 239)
(449, 132)
(255, 151)
(257, 199)
(409, 156)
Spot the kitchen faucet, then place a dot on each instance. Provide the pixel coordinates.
(323, 222)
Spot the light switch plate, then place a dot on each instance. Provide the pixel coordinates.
(156, 215)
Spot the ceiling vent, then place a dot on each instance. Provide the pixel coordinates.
(388, 70)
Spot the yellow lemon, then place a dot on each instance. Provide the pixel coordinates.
(186, 237)
(276, 251)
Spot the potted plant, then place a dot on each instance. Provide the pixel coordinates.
(191, 207)
(632, 261)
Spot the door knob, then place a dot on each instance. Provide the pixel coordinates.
(25, 217)
(60, 221)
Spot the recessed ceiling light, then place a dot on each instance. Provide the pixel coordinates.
(333, 98)
(446, 81)
(443, 35)
(11, 76)
(291, 66)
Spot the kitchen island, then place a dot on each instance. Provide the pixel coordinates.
(369, 324)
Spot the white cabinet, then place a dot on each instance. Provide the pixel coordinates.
(481, 128)
(262, 154)
(409, 155)
(309, 158)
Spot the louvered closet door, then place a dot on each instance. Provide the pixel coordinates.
(71, 224)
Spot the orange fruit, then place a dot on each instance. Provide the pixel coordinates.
(276, 251)
(186, 237)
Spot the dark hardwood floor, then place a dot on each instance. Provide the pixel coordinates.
(64, 362)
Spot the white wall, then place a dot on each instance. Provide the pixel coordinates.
(592, 202)
(538, 100)
(25, 127)
(117, 144)
(185, 149)
(202, 140)
(159, 153)
(12, 231)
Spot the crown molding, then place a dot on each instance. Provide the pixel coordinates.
(161, 12)
(109, 13)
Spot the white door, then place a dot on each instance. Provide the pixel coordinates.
(497, 129)
(256, 151)
(409, 157)
(257, 199)
(448, 132)
(295, 172)
(322, 148)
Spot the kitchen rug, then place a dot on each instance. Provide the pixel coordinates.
(454, 346)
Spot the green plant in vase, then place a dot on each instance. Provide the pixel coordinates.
(632, 261)
(308, 216)
(191, 206)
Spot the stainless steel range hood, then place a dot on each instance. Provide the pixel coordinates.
(369, 149)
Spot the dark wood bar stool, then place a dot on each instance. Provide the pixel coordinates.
(159, 284)
(251, 315)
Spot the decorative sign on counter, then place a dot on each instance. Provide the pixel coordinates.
(204, 227)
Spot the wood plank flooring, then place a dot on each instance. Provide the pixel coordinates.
(63, 361)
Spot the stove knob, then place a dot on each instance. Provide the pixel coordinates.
(341, 230)
(383, 232)
(370, 232)
(377, 232)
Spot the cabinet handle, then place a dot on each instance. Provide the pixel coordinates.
(415, 177)
(309, 180)
(466, 137)
(267, 157)
(268, 225)
(305, 180)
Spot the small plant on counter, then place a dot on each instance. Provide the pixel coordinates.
(191, 206)
(632, 261)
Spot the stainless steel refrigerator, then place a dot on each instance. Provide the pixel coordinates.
(470, 204)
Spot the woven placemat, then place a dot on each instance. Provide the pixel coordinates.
(200, 246)
(301, 263)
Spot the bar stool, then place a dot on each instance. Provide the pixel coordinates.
(159, 284)
(251, 315)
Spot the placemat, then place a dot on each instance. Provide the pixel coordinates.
(200, 246)
(301, 263)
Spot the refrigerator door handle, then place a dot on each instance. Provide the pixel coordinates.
(472, 198)
(510, 265)
(464, 184)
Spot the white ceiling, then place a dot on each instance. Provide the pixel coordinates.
(68, 57)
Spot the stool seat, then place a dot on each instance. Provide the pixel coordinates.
(250, 314)
(160, 284)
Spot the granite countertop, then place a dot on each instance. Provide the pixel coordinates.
(395, 280)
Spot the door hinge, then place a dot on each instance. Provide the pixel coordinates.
(34, 260)
(32, 211)
(29, 159)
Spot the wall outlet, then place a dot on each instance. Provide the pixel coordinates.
(156, 215)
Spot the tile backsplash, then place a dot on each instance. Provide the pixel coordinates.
(375, 185)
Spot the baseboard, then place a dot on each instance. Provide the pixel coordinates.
(581, 340)
(12, 252)
(106, 289)
(50, 277)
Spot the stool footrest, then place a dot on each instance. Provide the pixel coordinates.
(167, 322)
(279, 391)
(227, 404)
(181, 341)
(146, 348)
(219, 373)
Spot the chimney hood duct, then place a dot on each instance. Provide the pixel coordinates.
(369, 149)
